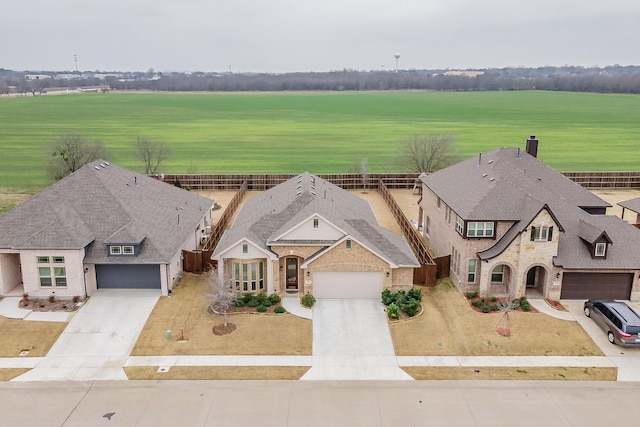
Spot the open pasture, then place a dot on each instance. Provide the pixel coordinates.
(318, 132)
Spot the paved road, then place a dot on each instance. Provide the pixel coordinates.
(322, 403)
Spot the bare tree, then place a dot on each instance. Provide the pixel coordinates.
(152, 153)
(427, 153)
(220, 293)
(363, 170)
(70, 152)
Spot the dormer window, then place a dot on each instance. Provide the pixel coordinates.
(315, 222)
(540, 234)
(124, 250)
(600, 250)
(115, 250)
(480, 229)
(245, 248)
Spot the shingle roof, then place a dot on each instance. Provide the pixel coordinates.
(633, 204)
(510, 185)
(266, 217)
(102, 203)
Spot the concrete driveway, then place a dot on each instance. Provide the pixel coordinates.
(626, 359)
(351, 341)
(96, 343)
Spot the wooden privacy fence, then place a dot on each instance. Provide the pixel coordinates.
(261, 182)
(199, 261)
(427, 273)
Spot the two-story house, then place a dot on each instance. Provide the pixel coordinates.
(514, 226)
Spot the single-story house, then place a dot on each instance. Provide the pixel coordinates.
(514, 226)
(307, 235)
(101, 227)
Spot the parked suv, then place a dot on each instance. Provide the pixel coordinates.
(617, 319)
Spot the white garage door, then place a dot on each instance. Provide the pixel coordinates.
(347, 285)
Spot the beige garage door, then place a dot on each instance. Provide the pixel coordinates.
(347, 285)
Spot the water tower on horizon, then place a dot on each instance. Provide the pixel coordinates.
(397, 56)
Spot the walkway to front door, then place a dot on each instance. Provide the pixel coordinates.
(351, 341)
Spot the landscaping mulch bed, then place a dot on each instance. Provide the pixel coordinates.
(555, 304)
(221, 329)
(37, 304)
(497, 301)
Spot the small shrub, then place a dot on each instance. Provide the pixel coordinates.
(253, 302)
(239, 302)
(525, 305)
(274, 298)
(411, 307)
(261, 308)
(471, 295)
(494, 299)
(76, 299)
(415, 294)
(308, 300)
(261, 297)
(247, 297)
(388, 297)
(477, 303)
(485, 308)
(25, 296)
(52, 298)
(266, 302)
(400, 297)
(494, 307)
(393, 311)
(279, 310)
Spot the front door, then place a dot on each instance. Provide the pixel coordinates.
(292, 273)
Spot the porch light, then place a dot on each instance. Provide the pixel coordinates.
(308, 273)
(388, 274)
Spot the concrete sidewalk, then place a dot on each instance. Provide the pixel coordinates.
(9, 308)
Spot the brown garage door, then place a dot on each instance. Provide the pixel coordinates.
(596, 285)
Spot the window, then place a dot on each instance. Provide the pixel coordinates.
(540, 234)
(253, 277)
(480, 229)
(52, 275)
(471, 271)
(497, 275)
(455, 260)
(115, 250)
(60, 274)
(43, 260)
(347, 244)
(245, 249)
(439, 202)
(427, 226)
(127, 250)
(245, 278)
(447, 214)
(261, 275)
(236, 270)
(315, 222)
(459, 225)
(45, 276)
(601, 249)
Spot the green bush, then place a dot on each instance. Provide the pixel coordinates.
(478, 303)
(261, 308)
(388, 297)
(393, 311)
(411, 307)
(494, 299)
(400, 297)
(471, 295)
(308, 300)
(485, 308)
(266, 302)
(246, 297)
(274, 298)
(261, 297)
(239, 302)
(494, 307)
(279, 310)
(525, 305)
(253, 302)
(415, 293)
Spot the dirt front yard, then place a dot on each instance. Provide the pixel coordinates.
(450, 327)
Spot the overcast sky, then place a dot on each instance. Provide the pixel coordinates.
(320, 35)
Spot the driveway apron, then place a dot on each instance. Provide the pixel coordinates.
(351, 341)
(97, 342)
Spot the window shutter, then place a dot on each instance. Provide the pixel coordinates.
(550, 234)
(533, 233)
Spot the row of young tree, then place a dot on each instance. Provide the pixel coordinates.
(70, 152)
(613, 79)
(422, 153)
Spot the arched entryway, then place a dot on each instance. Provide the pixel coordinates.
(534, 282)
(501, 285)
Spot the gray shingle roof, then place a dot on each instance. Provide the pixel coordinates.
(511, 185)
(633, 204)
(103, 204)
(266, 217)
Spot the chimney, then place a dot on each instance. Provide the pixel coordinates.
(532, 146)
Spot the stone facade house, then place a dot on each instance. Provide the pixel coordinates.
(101, 227)
(514, 226)
(307, 235)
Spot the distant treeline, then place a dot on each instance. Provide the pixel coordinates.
(611, 79)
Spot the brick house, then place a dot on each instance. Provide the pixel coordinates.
(307, 235)
(101, 227)
(513, 225)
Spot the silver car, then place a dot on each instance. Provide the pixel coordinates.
(617, 319)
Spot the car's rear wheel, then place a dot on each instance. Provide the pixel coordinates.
(612, 338)
(587, 312)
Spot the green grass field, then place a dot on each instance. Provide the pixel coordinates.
(318, 132)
